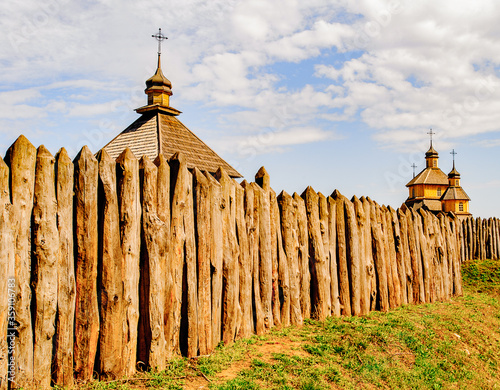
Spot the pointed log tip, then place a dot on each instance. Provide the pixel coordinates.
(284, 195)
(3, 164)
(85, 154)
(42, 151)
(127, 154)
(21, 143)
(160, 160)
(62, 155)
(244, 183)
(355, 199)
(308, 192)
(261, 173)
(221, 174)
(178, 157)
(103, 156)
(336, 194)
(146, 163)
(263, 179)
(22, 140)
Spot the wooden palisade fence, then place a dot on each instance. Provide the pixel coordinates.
(119, 262)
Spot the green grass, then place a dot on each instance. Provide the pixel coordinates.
(445, 345)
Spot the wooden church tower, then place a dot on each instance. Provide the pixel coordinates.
(436, 191)
(158, 131)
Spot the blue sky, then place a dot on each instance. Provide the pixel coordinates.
(335, 94)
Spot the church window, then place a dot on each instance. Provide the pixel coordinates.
(439, 191)
(435, 163)
(456, 182)
(460, 206)
(413, 192)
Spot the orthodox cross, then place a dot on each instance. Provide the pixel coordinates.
(413, 166)
(159, 37)
(454, 154)
(431, 133)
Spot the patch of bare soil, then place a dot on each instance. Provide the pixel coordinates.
(264, 351)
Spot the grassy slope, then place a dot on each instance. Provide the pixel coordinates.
(435, 346)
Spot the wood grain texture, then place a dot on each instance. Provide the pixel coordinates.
(86, 250)
(66, 285)
(21, 158)
(111, 289)
(303, 239)
(7, 260)
(130, 236)
(45, 266)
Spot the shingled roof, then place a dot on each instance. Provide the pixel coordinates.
(158, 131)
(430, 176)
(455, 193)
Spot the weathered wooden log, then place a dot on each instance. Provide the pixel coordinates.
(474, 238)
(447, 281)
(289, 231)
(276, 246)
(317, 259)
(439, 271)
(21, 158)
(283, 293)
(7, 259)
(86, 252)
(203, 252)
(378, 257)
(353, 258)
(343, 271)
(324, 215)
(363, 258)
(371, 280)
(303, 238)
(44, 273)
(164, 215)
(441, 266)
(457, 266)
(400, 265)
(66, 289)
(404, 250)
(414, 257)
(426, 255)
(190, 277)
(154, 250)
(216, 256)
(231, 311)
(245, 264)
(468, 243)
(491, 243)
(417, 225)
(184, 294)
(265, 251)
(247, 287)
(130, 235)
(111, 289)
(258, 196)
(496, 237)
(390, 252)
(333, 268)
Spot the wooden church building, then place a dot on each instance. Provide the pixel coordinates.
(158, 131)
(436, 191)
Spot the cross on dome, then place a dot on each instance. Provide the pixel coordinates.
(159, 37)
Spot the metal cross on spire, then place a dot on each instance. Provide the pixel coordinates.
(413, 166)
(159, 37)
(431, 133)
(454, 154)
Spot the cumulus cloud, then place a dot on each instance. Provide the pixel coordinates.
(397, 67)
